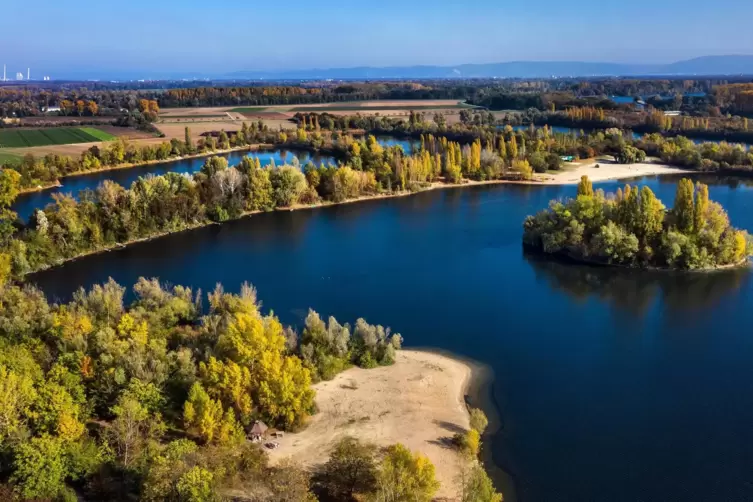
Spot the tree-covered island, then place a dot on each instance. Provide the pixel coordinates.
(633, 228)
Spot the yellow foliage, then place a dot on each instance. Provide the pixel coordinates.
(70, 325)
(129, 329)
(741, 246)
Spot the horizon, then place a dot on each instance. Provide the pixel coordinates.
(188, 39)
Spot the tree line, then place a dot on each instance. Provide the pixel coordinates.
(633, 228)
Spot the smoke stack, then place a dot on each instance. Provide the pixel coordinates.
(4, 79)
(28, 73)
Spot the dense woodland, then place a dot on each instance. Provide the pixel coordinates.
(633, 228)
(100, 400)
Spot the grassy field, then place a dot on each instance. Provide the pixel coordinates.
(6, 158)
(19, 138)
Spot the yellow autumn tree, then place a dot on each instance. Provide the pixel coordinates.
(230, 383)
(204, 417)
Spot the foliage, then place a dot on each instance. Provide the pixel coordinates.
(476, 486)
(405, 476)
(351, 469)
(157, 368)
(479, 422)
(633, 228)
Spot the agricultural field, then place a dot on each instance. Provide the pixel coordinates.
(20, 138)
(6, 158)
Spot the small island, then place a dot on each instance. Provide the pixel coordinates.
(632, 228)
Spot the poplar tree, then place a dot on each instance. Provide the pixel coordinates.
(585, 187)
(701, 205)
(683, 210)
(189, 143)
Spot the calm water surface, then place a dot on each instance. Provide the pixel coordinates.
(611, 385)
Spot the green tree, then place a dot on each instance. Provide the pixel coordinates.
(479, 422)
(350, 470)
(288, 183)
(683, 210)
(40, 468)
(477, 487)
(197, 485)
(213, 165)
(405, 477)
(701, 207)
(585, 187)
(188, 141)
(261, 196)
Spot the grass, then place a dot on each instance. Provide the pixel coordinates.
(378, 108)
(248, 109)
(9, 158)
(97, 133)
(19, 138)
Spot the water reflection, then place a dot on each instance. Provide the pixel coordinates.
(636, 291)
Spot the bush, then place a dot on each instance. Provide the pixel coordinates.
(479, 422)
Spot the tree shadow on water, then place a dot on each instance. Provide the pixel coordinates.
(636, 291)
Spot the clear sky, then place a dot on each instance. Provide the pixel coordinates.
(61, 38)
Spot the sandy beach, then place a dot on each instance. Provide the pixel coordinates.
(419, 402)
(609, 171)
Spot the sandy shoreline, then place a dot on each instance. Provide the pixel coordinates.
(610, 171)
(419, 402)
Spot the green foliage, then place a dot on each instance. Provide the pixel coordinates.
(585, 187)
(196, 485)
(40, 468)
(479, 422)
(633, 228)
(469, 442)
(405, 476)
(477, 487)
(351, 469)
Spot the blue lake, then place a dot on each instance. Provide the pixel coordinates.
(613, 386)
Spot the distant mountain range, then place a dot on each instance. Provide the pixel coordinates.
(707, 65)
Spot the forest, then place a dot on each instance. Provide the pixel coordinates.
(100, 400)
(633, 228)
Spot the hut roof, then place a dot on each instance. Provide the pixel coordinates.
(259, 428)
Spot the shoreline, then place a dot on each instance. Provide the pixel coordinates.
(566, 257)
(298, 207)
(478, 392)
(426, 388)
(58, 183)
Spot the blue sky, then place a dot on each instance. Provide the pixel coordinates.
(158, 36)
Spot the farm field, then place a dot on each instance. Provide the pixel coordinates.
(20, 138)
(8, 157)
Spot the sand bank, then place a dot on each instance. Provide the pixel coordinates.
(609, 171)
(419, 402)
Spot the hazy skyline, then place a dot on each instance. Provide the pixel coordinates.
(191, 37)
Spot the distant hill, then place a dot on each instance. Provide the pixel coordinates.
(707, 65)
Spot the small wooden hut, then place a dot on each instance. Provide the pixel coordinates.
(258, 431)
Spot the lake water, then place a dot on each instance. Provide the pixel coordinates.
(611, 385)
